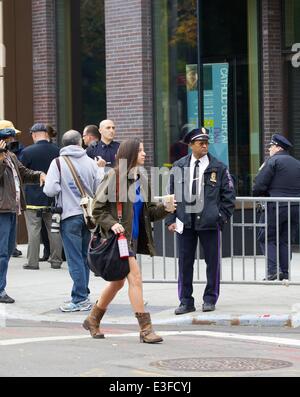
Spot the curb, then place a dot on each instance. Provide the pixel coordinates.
(264, 320)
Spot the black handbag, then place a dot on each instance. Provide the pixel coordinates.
(104, 258)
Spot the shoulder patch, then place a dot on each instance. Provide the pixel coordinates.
(230, 181)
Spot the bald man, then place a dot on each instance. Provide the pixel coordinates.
(106, 149)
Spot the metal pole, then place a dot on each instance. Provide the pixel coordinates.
(175, 255)
(277, 238)
(231, 246)
(200, 63)
(254, 237)
(289, 239)
(243, 238)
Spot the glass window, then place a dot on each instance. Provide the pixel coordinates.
(230, 79)
(291, 74)
(291, 22)
(81, 63)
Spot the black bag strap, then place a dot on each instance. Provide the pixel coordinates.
(75, 176)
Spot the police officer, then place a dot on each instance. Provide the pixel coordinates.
(279, 176)
(106, 149)
(205, 198)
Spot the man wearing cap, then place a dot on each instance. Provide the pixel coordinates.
(39, 157)
(279, 176)
(205, 198)
(12, 199)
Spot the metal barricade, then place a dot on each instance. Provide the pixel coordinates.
(242, 259)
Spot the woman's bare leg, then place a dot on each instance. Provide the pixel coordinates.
(109, 292)
(135, 287)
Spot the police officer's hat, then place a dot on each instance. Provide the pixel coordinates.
(280, 140)
(197, 134)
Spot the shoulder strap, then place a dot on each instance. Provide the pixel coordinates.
(58, 164)
(75, 175)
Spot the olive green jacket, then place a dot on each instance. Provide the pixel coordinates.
(106, 215)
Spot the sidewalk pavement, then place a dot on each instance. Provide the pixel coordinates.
(39, 293)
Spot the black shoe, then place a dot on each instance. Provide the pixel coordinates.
(6, 299)
(283, 276)
(182, 309)
(55, 266)
(270, 277)
(44, 258)
(28, 267)
(16, 253)
(208, 307)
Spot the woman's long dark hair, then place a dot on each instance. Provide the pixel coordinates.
(128, 150)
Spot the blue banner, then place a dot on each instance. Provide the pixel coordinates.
(215, 82)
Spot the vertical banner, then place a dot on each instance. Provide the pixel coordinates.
(215, 82)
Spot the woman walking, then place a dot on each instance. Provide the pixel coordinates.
(137, 214)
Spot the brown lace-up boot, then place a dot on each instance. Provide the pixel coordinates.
(92, 322)
(147, 335)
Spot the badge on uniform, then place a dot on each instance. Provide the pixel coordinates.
(213, 177)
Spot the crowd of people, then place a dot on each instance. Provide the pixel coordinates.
(41, 180)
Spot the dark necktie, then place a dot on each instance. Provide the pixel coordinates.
(195, 179)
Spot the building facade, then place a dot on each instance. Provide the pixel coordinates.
(74, 62)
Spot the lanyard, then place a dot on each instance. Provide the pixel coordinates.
(119, 208)
(119, 204)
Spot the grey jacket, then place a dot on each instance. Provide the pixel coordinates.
(60, 183)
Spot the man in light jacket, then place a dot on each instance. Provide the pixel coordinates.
(75, 234)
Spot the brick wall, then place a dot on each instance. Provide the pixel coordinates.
(129, 70)
(44, 61)
(272, 69)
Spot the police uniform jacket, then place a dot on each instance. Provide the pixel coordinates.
(279, 176)
(218, 195)
(107, 152)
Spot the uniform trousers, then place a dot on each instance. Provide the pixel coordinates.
(283, 260)
(187, 244)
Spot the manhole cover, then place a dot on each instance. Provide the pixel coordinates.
(212, 364)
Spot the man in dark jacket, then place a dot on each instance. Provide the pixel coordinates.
(205, 198)
(39, 157)
(12, 199)
(279, 176)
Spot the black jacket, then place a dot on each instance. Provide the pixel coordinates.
(279, 176)
(38, 157)
(218, 195)
(107, 152)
